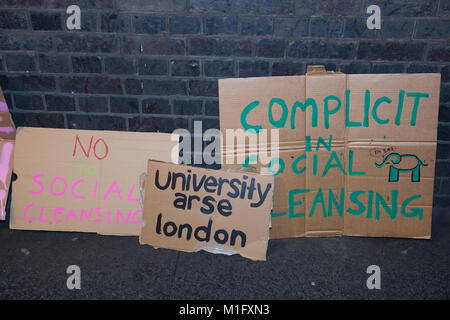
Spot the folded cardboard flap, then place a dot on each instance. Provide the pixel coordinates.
(333, 131)
(319, 70)
(82, 180)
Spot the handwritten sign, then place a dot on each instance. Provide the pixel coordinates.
(7, 137)
(82, 180)
(356, 153)
(190, 209)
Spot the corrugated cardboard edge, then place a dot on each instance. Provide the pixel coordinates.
(319, 70)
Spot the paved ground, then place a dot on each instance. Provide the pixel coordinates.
(33, 266)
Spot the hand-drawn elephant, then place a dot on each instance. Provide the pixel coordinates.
(402, 163)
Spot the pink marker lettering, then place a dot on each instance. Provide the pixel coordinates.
(73, 187)
(138, 221)
(83, 213)
(119, 213)
(25, 211)
(129, 195)
(99, 214)
(3, 196)
(95, 189)
(5, 159)
(57, 211)
(40, 215)
(51, 186)
(3, 106)
(113, 190)
(6, 129)
(71, 214)
(39, 183)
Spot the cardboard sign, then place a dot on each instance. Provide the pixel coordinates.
(355, 156)
(82, 180)
(7, 137)
(190, 209)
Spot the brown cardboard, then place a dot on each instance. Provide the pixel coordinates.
(163, 218)
(109, 163)
(7, 137)
(304, 136)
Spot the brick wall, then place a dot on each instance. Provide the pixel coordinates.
(153, 65)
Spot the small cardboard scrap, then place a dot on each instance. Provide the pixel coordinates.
(191, 209)
(355, 154)
(7, 137)
(83, 180)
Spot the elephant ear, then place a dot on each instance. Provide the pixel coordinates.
(397, 156)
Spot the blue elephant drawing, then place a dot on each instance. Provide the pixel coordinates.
(402, 163)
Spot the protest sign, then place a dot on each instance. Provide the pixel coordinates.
(355, 155)
(7, 137)
(82, 180)
(191, 209)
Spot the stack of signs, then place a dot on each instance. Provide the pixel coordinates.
(7, 137)
(351, 154)
(191, 209)
(93, 181)
(83, 180)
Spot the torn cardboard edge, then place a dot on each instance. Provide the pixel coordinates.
(236, 94)
(319, 70)
(192, 209)
(7, 141)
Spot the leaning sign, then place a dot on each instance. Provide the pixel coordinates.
(7, 137)
(191, 209)
(83, 180)
(351, 154)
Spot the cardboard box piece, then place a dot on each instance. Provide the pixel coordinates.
(191, 209)
(83, 180)
(7, 137)
(355, 156)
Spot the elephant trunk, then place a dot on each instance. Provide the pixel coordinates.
(382, 163)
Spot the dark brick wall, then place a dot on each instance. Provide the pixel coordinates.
(153, 65)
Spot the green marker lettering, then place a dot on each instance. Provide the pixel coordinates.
(337, 164)
(282, 121)
(318, 199)
(354, 198)
(349, 123)
(248, 127)
(310, 102)
(315, 161)
(295, 168)
(308, 147)
(413, 212)
(322, 141)
(350, 166)
(293, 203)
(366, 108)
(401, 98)
(369, 205)
(339, 205)
(380, 200)
(274, 162)
(416, 96)
(375, 108)
(327, 112)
